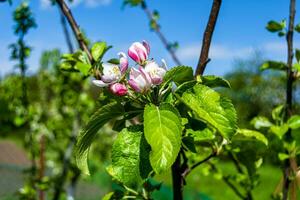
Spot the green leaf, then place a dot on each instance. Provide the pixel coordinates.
(281, 33)
(162, 128)
(297, 54)
(296, 67)
(277, 113)
(129, 152)
(83, 68)
(283, 156)
(81, 56)
(201, 135)
(194, 137)
(274, 26)
(273, 65)
(184, 86)
(87, 135)
(188, 142)
(279, 130)
(297, 28)
(108, 196)
(115, 61)
(251, 134)
(261, 122)
(212, 108)
(294, 122)
(98, 50)
(214, 81)
(132, 3)
(179, 75)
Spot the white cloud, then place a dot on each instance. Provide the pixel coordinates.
(274, 50)
(45, 4)
(217, 51)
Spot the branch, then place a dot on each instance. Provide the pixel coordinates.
(66, 32)
(289, 91)
(236, 163)
(189, 169)
(226, 180)
(235, 190)
(68, 14)
(290, 55)
(208, 33)
(160, 34)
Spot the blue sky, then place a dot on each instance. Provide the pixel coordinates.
(239, 31)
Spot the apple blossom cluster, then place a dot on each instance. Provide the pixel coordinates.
(145, 75)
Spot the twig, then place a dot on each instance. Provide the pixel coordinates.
(208, 33)
(226, 180)
(68, 14)
(289, 92)
(189, 169)
(160, 34)
(236, 191)
(66, 32)
(236, 163)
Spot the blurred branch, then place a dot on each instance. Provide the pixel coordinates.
(67, 160)
(227, 181)
(159, 33)
(289, 91)
(232, 186)
(68, 14)
(66, 32)
(208, 33)
(42, 164)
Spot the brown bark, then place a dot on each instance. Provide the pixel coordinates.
(207, 37)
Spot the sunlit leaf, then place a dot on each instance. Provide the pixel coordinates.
(212, 108)
(214, 81)
(162, 127)
(98, 50)
(179, 75)
(280, 131)
(246, 134)
(294, 122)
(261, 122)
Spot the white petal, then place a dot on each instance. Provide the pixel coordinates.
(99, 83)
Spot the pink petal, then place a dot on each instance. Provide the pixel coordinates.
(118, 89)
(147, 46)
(134, 73)
(134, 85)
(123, 62)
(133, 54)
(145, 75)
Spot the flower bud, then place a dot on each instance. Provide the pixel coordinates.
(139, 52)
(118, 89)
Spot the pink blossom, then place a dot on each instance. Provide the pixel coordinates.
(155, 72)
(140, 80)
(118, 89)
(139, 52)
